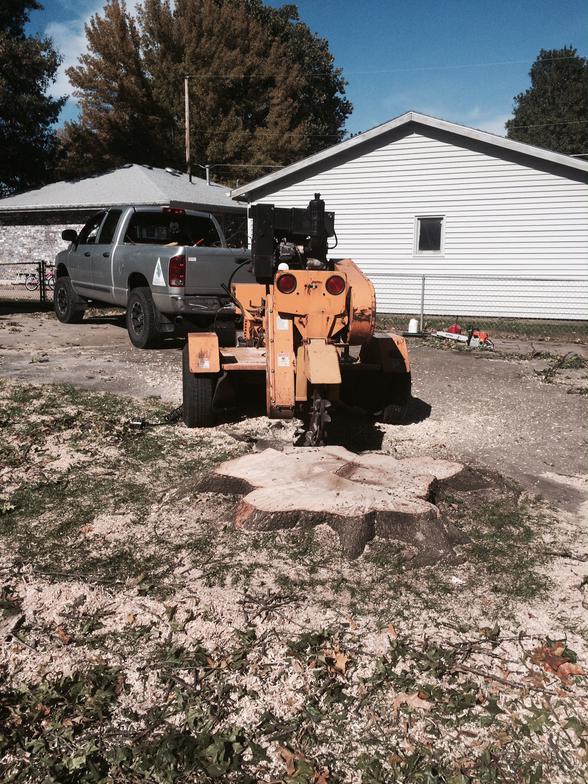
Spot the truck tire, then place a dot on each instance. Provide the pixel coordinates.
(142, 318)
(68, 306)
(198, 391)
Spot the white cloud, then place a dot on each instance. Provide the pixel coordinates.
(495, 124)
(70, 41)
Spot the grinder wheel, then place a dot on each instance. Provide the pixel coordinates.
(318, 419)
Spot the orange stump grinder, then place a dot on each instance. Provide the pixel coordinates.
(308, 333)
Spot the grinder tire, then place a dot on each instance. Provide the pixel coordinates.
(198, 391)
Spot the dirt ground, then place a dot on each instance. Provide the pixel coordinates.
(144, 638)
(493, 410)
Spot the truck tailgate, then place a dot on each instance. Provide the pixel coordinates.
(208, 268)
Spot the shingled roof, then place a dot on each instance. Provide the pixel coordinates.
(131, 184)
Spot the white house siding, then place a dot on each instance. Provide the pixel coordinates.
(502, 219)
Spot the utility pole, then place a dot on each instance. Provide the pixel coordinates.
(187, 124)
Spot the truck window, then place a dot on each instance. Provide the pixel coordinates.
(109, 227)
(154, 228)
(90, 231)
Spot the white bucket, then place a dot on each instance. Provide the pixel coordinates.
(413, 327)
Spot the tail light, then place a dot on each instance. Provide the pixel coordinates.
(286, 283)
(335, 285)
(177, 271)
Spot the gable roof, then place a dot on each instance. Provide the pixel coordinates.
(130, 184)
(422, 123)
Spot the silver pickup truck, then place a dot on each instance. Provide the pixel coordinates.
(165, 265)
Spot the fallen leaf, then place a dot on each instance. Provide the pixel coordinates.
(289, 757)
(321, 777)
(131, 618)
(391, 632)
(63, 635)
(557, 658)
(86, 529)
(568, 669)
(412, 700)
(341, 661)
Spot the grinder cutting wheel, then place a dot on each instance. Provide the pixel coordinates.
(302, 320)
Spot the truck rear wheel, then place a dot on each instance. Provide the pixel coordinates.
(198, 391)
(142, 318)
(68, 306)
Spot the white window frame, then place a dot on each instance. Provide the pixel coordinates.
(417, 231)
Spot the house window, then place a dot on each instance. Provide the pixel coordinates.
(429, 234)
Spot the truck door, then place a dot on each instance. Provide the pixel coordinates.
(102, 256)
(80, 256)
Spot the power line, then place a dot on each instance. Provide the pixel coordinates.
(557, 122)
(436, 67)
(262, 131)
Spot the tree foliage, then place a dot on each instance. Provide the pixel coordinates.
(553, 112)
(264, 90)
(28, 65)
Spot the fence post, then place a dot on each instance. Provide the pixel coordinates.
(41, 271)
(422, 318)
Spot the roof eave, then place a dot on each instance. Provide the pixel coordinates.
(245, 192)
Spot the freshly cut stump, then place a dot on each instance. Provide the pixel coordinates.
(359, 496)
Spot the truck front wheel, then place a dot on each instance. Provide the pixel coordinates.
(142, 318)
(198, 391)
(68, 306)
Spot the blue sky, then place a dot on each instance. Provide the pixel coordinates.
(463, 61)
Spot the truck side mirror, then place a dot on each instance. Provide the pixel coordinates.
(69, 235)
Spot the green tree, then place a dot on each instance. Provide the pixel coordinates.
(118, 115)
(28, 65)
(263, 88)
(553, 112)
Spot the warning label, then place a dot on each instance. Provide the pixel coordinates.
(282, 324)
(283, 360)
(158, 279)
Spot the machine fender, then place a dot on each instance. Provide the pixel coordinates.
(321, 363)
(203, 352)
(387, 350)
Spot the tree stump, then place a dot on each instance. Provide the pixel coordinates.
(359, 496)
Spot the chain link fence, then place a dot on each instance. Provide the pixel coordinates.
(508, 305)
(538, 306)
(27, 281)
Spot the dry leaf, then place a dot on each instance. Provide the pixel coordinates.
(289, 758)
(568, 669)
(321, 777)
(412, 700)
(120, 685)
(131, 618)
(552, 658)
(86, 529)
(63, 635)
(391, 632)
(341, 661)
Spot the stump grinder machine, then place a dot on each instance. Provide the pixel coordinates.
(308, 333)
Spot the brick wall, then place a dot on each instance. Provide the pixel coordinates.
(31, 242)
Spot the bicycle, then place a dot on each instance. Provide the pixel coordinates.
(32, 280)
